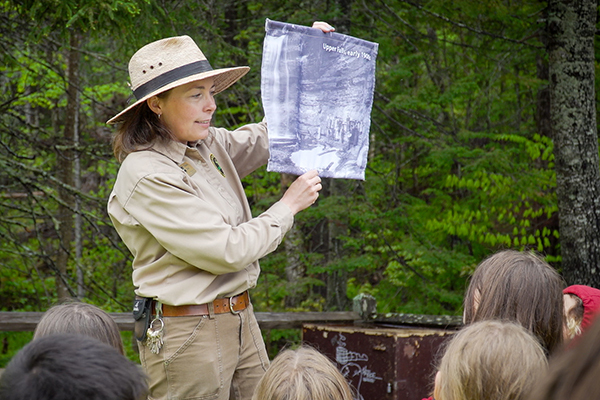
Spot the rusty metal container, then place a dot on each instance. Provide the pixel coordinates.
(381, 362)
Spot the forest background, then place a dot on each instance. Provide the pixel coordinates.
(461, 159)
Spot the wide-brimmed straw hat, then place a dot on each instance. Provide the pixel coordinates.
(171, 62)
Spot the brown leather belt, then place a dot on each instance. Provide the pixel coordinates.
(233, 305)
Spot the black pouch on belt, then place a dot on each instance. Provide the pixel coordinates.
(141, 314)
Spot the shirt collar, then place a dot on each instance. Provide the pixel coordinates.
(173, 149)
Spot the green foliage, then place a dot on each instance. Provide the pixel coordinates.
(504, 207)
(81, 15)
(460, 161)
(457, 168)
(11, 343)
(278, 339)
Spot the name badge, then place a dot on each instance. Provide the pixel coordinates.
(187, 167)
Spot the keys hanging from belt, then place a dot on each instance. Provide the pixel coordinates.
(155, 333)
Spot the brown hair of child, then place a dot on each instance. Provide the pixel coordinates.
(521, 287)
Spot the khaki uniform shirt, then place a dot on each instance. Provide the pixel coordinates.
(183, 213)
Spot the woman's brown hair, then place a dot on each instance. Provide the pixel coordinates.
(138, 129)
(521, 287)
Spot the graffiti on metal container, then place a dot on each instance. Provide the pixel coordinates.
(351, 368)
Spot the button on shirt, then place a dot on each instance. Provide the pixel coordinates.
(183, 213)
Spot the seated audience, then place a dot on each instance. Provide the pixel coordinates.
(582, 303)
(302, 374)
(489, 360)
(573, 372)
(82, 318)
(71, 367)
(521, 287)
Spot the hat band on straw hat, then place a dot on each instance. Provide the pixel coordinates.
(173, 75)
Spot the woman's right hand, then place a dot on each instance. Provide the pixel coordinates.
(303, 192)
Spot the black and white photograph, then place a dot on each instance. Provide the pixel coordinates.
(317, 93)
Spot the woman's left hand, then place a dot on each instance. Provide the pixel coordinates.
(303, 192)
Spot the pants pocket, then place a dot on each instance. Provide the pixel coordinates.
(193, 363)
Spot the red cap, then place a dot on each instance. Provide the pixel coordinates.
(591, 302)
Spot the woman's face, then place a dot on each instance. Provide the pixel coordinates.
(187, 109)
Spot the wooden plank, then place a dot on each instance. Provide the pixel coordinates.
(27, 321)
(294, 320)
(19, 321)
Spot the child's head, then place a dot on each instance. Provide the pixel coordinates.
(582, 303)
(302, 374)
(81, 318)
(489, 360)
(71, 366)
(521, 287)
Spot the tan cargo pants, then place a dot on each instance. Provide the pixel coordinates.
(217, 357)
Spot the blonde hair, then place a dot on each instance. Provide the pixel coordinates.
(302, 374)
(490, 360)
(574, 316)
(80, 318)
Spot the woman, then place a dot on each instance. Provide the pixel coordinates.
(179, 206)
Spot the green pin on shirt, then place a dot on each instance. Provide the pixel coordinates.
(216, 164)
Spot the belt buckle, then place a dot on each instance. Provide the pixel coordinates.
(231, 306)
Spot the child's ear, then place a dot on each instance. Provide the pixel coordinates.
(436, 384)
(476, 300)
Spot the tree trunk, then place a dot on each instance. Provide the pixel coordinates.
(570, 33)
(337, 279)
(65, 170)
(78, 231)
(295, 269)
